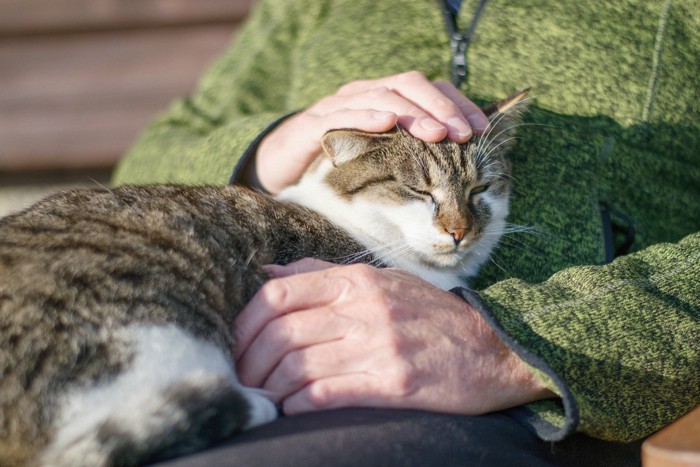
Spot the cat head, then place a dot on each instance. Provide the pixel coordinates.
(439, 205)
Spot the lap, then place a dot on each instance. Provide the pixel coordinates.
(405, 438)
(380, 437)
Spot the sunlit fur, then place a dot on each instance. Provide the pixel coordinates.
(403, 198)
(116, 304)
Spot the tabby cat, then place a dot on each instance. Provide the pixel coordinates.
(116, 305)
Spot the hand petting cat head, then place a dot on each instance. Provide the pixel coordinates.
(435, 209)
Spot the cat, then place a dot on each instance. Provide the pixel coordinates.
(116, 305)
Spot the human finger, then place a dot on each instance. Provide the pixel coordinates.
(358, 389)
(302, 366)
(418, 89)
(444, 103)
(298, 267)
(373, 119)
(472, 112)
(286, 336)
(275, 173)
(418, 121)
(285, 295)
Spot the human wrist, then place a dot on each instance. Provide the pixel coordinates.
(257, 170)
(523, 377)
(510, 381)
(247, 171)
(512, 376)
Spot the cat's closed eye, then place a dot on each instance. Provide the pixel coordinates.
(422, 194)
(479, 189)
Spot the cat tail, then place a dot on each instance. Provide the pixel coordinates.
(196, 409)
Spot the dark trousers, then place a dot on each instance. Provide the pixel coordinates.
(403, 438)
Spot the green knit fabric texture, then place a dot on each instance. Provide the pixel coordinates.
(615, 122)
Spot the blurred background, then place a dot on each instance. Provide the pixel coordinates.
(79, 79)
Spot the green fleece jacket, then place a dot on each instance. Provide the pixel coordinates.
(611, 153)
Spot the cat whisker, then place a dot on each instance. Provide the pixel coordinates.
(481, 251)
(508, 228)
(483, 149)
(500, 115)
(495, 259)
(507, 237)
(385, 250)
(505, 141)
(519, 228)
(529, 230)
(351, 259)
(518, 244)
(101, 185)
(493, 123)
(250, 257)
(487, 137)
(486, 140)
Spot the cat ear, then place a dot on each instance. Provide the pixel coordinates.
(345, 145)
(495, 109)
(504, 117)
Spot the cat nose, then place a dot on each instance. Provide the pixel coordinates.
(457, 233)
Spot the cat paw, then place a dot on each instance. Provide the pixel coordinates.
(262, 409)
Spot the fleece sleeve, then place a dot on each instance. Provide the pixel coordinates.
(619, 343)
(200, 138)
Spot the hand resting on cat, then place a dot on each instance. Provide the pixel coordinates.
(322, 336)
(431, 351)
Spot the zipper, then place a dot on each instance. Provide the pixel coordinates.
(459, 41)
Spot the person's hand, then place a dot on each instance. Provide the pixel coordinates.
(429, 111)
(321, 336)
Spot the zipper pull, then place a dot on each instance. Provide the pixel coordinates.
(459, 67)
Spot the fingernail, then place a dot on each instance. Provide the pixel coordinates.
(478, 121)
(431, 125)
(381, 115)
(458, 128)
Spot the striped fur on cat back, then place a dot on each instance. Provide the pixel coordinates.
(116, 306)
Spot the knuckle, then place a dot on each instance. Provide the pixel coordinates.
(443, 104)
(276, 292)
(466, 106)
(416, 112)
(274, 334)
(365, 273)
(395, 348)
(377, 92)
(319, 394)
(386, 311)
(412, 77)
(293, 367)
(403, 380)
(322, 107)
(280, 332)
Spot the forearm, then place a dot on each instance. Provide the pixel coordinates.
(169, 153)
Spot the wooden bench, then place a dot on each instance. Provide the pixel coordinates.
(80, 78)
